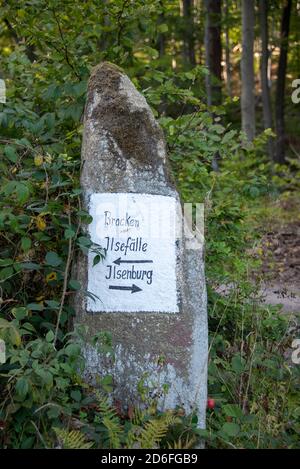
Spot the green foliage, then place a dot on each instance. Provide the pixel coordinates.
(155, 430)
(110, 429)
(42, 395)
(249, 376)
(71, 439)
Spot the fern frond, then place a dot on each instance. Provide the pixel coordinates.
(155, 430)
(138, 416)
(132, 437)
(179, 444)
(110, 420)
(114, 431)
(105, 407)
(72, 439)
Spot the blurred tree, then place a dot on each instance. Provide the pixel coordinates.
(281, 80)
(213, 51)
(227, 49)
(247, 69)
(266, 98)
(188, 32)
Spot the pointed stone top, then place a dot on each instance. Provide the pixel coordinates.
(121, 135)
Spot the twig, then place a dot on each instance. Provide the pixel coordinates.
(39, 434)
(294, 150)
(120, 24)
(65, 48)
(250, 373)
(66, 275)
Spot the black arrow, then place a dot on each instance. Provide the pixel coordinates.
(133, 288)
(119, 261)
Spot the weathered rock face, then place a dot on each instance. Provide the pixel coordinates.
(150, 289)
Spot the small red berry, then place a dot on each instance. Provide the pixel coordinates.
(211, 403)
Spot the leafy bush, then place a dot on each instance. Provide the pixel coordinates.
(44, 402)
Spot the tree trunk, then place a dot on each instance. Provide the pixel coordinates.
(247, 69)
(29, 49)
(281, 79)
(188, 33)
(161, 37)
(213, 51)
(266, 99)
(227, 50)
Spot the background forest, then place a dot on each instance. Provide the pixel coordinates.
(223, 78)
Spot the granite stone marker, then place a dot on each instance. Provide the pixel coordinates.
(149, 291)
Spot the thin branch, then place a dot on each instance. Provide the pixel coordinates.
(120, 23)
(66, 275)
(39, 434)
(65, 48)
(29, 48)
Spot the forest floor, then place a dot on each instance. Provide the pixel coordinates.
(278, 278)
(280, 255)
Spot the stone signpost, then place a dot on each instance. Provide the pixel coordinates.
(149, 291)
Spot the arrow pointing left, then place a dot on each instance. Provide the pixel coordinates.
(130, 261)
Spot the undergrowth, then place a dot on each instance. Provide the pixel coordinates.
(44, 401)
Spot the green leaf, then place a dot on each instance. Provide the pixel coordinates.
(74, 285)
(25, 244)
(49, 336)
(5, 262)
(163, 28)
(28, 327)
(22, 387)
(45, 375)
(84, 241)
(238, 364)
(76, 395)
(28, 442)
(228, 136)
(107, 383)
(52, 304)
(233, 410)
(53, 259)
(69, 233)
(231, 429)
(218, 128)
(22, 191)
(4, 323)
(14, 335)
(10, 153)
(35, 307)
(6, 273)
(19, 313)
(80, 88)
(72, 350)
(96, 260)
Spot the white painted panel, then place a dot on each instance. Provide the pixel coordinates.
(139, 234)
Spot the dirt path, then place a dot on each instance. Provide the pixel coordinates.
(279, 251)
(281, 266)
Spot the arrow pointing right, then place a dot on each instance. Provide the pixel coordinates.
(134, 288)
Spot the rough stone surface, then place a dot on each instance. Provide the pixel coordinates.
(124, 151)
